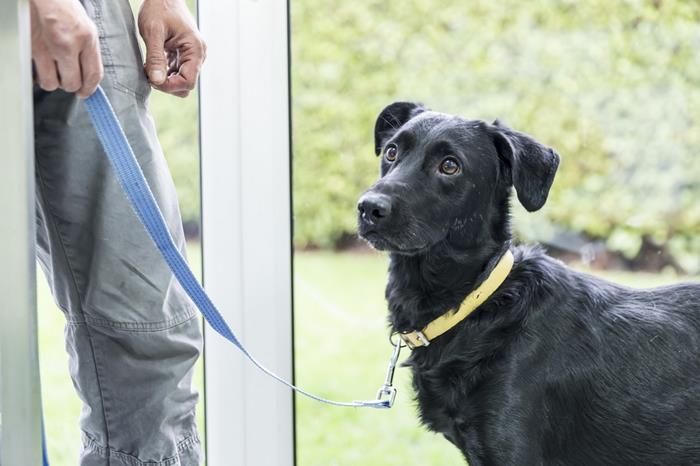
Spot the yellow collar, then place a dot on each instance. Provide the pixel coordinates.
(473, 300)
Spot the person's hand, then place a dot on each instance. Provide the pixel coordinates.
(175, 50)
(65, 47)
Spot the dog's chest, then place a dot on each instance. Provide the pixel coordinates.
(444, 402)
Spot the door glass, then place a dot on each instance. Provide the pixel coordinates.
(613, 88)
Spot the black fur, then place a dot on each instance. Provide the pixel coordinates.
(557, 367)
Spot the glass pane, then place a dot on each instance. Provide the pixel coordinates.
(612, 88)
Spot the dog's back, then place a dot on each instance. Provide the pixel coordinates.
(562, 368)
(621, 381)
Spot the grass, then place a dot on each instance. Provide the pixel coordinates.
(341, 353)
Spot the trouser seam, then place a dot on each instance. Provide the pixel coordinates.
(135, 327)
(188, 443)
(61, 241)
(107, 55)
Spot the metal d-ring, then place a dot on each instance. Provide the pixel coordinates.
(400, 340)
(388, 390)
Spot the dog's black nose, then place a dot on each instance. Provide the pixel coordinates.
(374, 207)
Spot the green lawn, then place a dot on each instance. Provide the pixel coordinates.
(341, 353)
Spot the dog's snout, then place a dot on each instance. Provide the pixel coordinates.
(374, 207)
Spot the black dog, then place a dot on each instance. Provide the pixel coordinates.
(557, 367)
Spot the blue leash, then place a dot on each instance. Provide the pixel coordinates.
(134, 184)
(141, 198)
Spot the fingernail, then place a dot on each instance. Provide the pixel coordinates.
(158, 76)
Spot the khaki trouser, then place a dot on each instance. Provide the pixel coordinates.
(132, 335)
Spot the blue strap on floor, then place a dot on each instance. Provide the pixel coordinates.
(141, 198)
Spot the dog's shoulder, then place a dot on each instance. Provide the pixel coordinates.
(536, 273)
(537, 277)
(543, 287)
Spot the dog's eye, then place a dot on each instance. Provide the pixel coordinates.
(391, 153)
(449, 166)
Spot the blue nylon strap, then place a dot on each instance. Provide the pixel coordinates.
(44, 452)
(141, 198)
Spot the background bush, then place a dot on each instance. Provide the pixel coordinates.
(178, 132)
(614, 86)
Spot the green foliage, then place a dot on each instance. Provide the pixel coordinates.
(177, 123)
(611, 85)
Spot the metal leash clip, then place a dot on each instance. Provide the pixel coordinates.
(387, 392)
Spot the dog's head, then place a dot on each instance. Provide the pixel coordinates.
(447, 178)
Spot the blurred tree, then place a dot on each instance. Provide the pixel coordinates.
(178, 132)
(613, 86)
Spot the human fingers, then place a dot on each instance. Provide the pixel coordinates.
(46, 72)
(69, 73)
(91, 69)
(156, 66)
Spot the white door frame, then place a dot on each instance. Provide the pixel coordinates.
(246, 229)
(20, 393)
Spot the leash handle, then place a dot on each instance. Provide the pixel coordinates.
(136, 189)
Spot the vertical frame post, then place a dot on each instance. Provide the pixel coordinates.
(246, 229)
(20, 394)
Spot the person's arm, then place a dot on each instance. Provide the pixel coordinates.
(175, 50)
(65, 47)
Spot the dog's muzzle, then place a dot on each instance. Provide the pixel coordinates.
(374, 208)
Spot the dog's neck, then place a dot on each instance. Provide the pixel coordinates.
(424, 286)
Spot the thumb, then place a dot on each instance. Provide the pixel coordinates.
(156, 65)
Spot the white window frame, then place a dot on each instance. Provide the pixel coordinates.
(246, 229)
(20, 392)
(246, 209)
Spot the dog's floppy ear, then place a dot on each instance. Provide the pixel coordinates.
(532, 164)
(391, 119)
